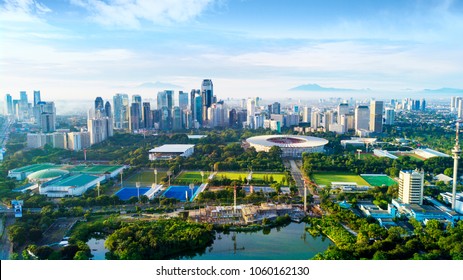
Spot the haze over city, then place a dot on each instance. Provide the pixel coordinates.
(79, 49)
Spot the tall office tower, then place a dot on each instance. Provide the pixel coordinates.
(376, 116)
(329, 119)
(37, 97)
(423, 104)
(276, 108)
(99, 105)
(411, 187)
(23, 107)
(258, 99)
(161, 100)
(99, 127)
(9, 105)
(219, 116)
(343, 108)
(232, 118)
(207, 92)
(390, 116)
(166, 119)
(137, 99)
(306, 114)
(459, 108)
(120, 104)
(170, 99)
(251, 111)
(362, 113)
(147, 121)
(107, 110)
(348, 121)
(198, 112)
(23, 97)
(46, 113)
(315, 119)
(16, 108)
(183, 100)
(176, 118)
(243, 103)
(193, 94)
(134, 123)
(453, 104)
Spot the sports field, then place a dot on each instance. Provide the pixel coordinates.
(255, 176)
(127, 193)
(378, 180)
(181, 192)
(190, 177)
(145, 177)
(325, 178)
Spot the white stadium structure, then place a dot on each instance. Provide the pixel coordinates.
(291, 145)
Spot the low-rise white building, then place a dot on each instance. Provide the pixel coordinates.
(170, 151)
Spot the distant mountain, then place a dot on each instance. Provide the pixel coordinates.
(160, 85)
(316, 87)
(444, 91)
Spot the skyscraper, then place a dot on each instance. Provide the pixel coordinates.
(306, 114)
(169, 99)
(99, 104)
(207, 91)
(251, 111)
(134, 120)
(9, 105)
(120, 103)
(193, 94)
(100, 127)
(107, 110)
(161, 100)
(411, 187)
(183, 100)
(376, 116)
(390, 116)
(37, 97)
(343, 108)
(46, 116)
(362, 113)
(176, 118)
(198, 112)
(146, 116)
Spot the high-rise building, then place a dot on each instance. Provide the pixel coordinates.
(423, 104)
(198, 112)
(315, 120)
(411, 187)
(147, 121)
(170, 99)
(74, 141)
(306, 114)
(23, 97)
(99, 104)
(121, 118)
(362, 113)
(9, 105)
(176, 118)
(45, 116)
(207, 92)
(137, 99)
(276, 108)
(37, 98)
(183, 100)
(161, 100)
(134, 119)
(390, 116)
(232, 118)
(251, 111)
(99, 126)
(107, 109)
(343, 108)
(376, 116)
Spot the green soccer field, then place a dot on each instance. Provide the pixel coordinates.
(145, 177)
(379, 180)
(255, 176)
(191, 177)
(325, 178)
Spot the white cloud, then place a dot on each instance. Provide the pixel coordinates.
(22, 10)
(130, 13)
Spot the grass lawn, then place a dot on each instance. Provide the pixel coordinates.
(379, 180)
(325, 178)
(145, 177)
(191, 176)
(256, 176)
(412, 156)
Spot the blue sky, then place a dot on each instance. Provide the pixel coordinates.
(83, 48)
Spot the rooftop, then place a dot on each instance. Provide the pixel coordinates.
(47, 174)
(77, 180)
(94, 169)
(34, 167)
(172, 148)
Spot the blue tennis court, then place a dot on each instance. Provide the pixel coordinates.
(180, 192)
(127, 193)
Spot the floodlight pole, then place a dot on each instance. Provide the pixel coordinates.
(138, 190)
(155, 176)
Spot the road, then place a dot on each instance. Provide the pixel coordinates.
(5, 245)
(297, 175)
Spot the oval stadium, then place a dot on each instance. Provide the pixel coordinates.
(291, 145)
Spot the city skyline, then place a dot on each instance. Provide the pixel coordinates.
(85, 48)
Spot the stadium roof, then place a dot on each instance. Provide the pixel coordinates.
(171, 148)
(47, 173)
(77, 180)
(287, 141)
(34, 167)
(94, 169)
